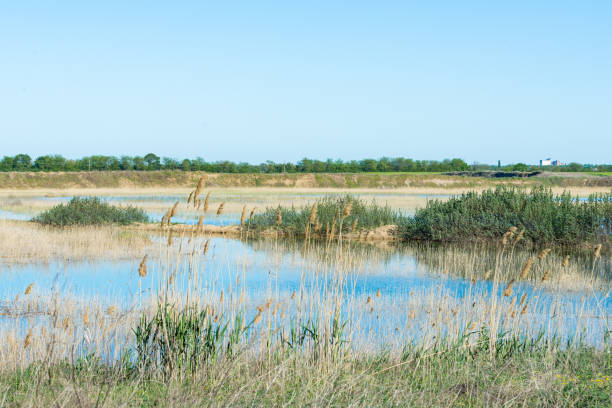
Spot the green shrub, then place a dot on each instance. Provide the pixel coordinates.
(545, 217)
(90, 211)
(294, 220)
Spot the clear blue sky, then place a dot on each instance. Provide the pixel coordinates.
(257, 80)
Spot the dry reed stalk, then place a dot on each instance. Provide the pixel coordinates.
(508, 290)
(206, 245)
(111, 309)
(190, 197)
(28, 340)
(257, 318)
(173, 210)
(545, 276)
(524, 308)
(565, 261)
(206, 202)
(505, 237)
(313, 213)
(28, 289)
(327, 230)
(347, 210)
(523, 298)
(487, 275)
(292, 295)
(333, 231)
(279, 217)
(242, 216)
(142, 269)
(369, 301)
(221, 297)
(170, 238)
(85, 317)
(526, 268)
(354, 226)
(251, 214)
(66, 323)
(511, 303)
(519, 236)
(200, 223)
(220, 209)
(597, 251)
(378, 294)
(543, 254)
(198, 189)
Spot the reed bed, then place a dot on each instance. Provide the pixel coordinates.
(26, 242)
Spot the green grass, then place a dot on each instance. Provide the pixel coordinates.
(517, 372)
(90, 211)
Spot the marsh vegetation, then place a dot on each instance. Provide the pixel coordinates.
(292, 319)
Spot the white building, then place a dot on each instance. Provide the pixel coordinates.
(546, 162)
(550, 162)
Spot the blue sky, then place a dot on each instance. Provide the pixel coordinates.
(252, 81)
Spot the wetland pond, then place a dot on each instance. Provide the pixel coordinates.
(388, 295)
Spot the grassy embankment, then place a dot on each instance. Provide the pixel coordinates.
(174, 179)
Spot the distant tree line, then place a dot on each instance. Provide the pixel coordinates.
(150, 162)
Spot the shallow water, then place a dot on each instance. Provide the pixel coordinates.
(402, 283)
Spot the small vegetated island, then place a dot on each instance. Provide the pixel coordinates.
(90, 211)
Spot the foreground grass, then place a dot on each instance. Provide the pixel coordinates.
(528, 377)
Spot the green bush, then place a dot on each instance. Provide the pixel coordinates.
(545, 217)
(90, 211)
(294, 220)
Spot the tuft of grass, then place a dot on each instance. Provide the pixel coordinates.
(90, 211)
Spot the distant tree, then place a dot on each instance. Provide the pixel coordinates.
(186, 165)
(126, 163)
(139, 163)
(170, 164)
(22, 162)
(6, 164)
(152, 161)
(369, 165)
(305, 166)
(519, 167)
